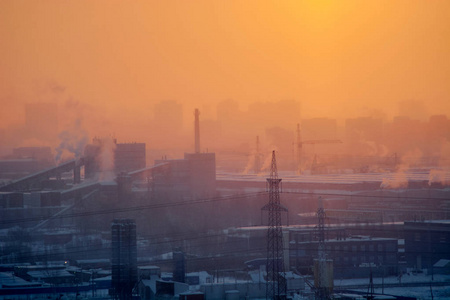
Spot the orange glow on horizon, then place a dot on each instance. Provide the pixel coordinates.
(110, 63)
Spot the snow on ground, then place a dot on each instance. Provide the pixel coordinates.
(411, 285)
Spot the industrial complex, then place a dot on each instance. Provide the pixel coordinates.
(107, 225)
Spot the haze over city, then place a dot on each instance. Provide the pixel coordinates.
(150, 138)
(110, 64)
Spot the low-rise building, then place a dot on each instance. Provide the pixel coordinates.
(426, 242)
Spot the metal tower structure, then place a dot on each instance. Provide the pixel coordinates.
(321, 228)
(321, 263)
(276, 287)
(300, 143)
(370, 289)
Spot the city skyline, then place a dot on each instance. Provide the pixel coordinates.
(339, 60)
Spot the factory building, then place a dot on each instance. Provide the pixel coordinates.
(195, 175)
(106, 156)
(350, 255)
(24, 161)
(426, 242)
(129, 156)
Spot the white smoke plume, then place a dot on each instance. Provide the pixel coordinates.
(444, 155)
(106, 158)
(438, 176)
(397, 181)
(442, 172)
(400, 178)
(72, 142)
(250, 164)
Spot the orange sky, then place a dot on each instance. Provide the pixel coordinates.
(338, 58)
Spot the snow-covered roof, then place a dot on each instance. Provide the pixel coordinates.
(49, 274)
(442, 263)
(8, 280)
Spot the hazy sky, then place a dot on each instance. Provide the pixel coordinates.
(338, 58)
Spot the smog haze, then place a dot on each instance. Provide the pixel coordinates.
(108, 65)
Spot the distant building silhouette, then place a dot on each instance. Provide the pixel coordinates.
(129, 157)
(41, 121)
(319, 128)
(167, 123)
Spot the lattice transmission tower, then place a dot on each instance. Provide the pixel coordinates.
(276, 277)
(323, 268)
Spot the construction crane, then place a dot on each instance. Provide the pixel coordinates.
(300, 144)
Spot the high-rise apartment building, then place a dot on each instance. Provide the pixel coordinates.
(124, 258)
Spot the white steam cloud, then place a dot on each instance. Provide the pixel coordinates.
(400, 178)
(106, 159)
(72, 142)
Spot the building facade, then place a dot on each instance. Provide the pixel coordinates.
(124, 258)
(426, 242)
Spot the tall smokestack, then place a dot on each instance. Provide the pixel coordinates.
(299, 150)
(197, 131)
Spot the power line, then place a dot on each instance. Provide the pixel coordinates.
(208, 200)
(362, 196)
(136, 208)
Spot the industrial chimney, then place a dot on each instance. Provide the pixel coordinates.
(197, 131)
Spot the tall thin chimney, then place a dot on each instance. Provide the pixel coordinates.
(197, 131)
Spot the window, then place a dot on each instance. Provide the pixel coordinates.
(391, 247)
(391, 258)
(417, 237)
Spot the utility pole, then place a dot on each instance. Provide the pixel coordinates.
(371, 289)
(276, 287)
